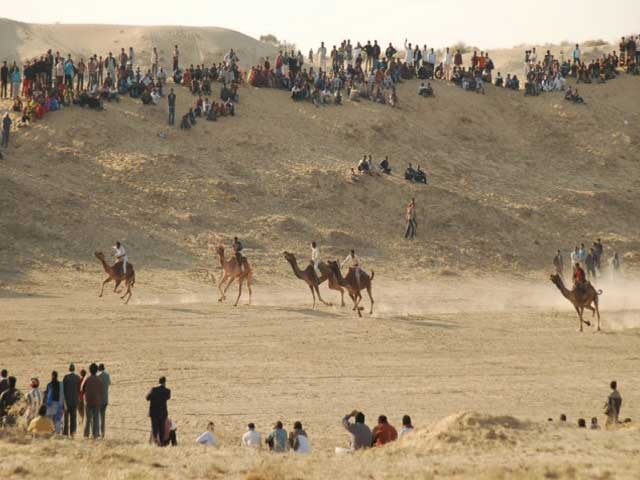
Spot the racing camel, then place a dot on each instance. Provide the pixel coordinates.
(308, 275)
(353, 287)
(232, 271)
(116, 275)
(580, 299)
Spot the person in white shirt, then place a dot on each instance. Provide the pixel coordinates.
(298, 440)
(424, 54)
(533, 58)
(322, 53)
(208, 438)
(407, 426)
(408, 53)
(354, 263)
(315, 258)
(251, 438)
(577, 54)
(447, 61)
(432, 57)
(121, 256)
(155, 96)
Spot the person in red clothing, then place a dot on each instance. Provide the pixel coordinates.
(579, 278)
(383, 432)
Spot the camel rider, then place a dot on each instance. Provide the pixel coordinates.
(354, 264)
(121, 256)
(315, 259)
(237, 249)
(579, 277)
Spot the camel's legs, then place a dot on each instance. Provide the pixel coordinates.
(222, 280)
(370, 298)
(127, 294)
(249, 287)
(115, 289)
(353, 299)
(597, 308)
(315, 287)
(314, 297)
(240, 282)
(103, 284)
(333, 285)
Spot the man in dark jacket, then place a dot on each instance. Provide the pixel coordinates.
(4, 79)
(4, 381)
(157, 398)
(92, 389)
(9, 398)
(6, 129)
(71, 387)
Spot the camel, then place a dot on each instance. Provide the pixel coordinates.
(115, 274)
(580, 299)
(308, 275)
(232, 271)
(349, 282)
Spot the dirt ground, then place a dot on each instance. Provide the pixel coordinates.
(432, 348)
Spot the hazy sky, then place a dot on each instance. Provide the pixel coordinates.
(489, 24)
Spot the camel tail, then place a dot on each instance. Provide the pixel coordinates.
(373, 274)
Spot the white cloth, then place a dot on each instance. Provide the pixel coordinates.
(408, 54)
(121, 254)
(207, 438)
(304, 447)
(315, 258)
(352, 260)
(405, 430)
(251, 439)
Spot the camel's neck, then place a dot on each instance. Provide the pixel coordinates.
(106, 266)
(339, 277)
(566, 293)
(221, 257)
(296, 270)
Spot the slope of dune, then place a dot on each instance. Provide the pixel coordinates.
(511, 180)
(20, 41)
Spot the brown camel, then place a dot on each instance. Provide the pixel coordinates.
(232, 271)
(353, 287)
(580, 299)
(308, 275)
(115, 274)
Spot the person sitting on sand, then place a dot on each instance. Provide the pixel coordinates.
(361, 436)
(8, 399)
(613, 406)
(277, 439)
(582, 423)
(384, 166)
(409, 173)
(208, 438)
(251, 438)
(184, 123)
(383, 433)
(298, 440)
(42, 425)
(425, 90)
(594, 424)
(407, 426)
(499, 80)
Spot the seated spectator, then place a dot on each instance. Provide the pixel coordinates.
(383, 433)
(229, 107)
(155, 96)
(208, 438)
(479, 83)
(426, 90)
(41, 425)
(572, 96)
(277, 439)
(192, 116)
(170, 433)
(360, 433)
(594, 424)
(582, 423)
(146, 98)
(251, 438)
(499, 80)
(407, 426)
(384, 166)
(212, 115)
(8, 399)
(298, 439)
(185, 124)
(17, 105)
(363, 165)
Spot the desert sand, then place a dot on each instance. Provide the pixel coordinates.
(468, 335)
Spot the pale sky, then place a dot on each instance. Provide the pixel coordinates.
(487, 24)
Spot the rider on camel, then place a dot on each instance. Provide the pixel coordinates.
(354, 264)
(237, 250)
(579, 277)
(121, 256)
(315, 260)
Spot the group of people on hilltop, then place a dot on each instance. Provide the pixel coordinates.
(587, 264)
(56, 409)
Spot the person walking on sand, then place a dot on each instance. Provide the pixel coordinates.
(171, 99)
(158, 397)
(558, 263)
(411, 220)
(613, 405)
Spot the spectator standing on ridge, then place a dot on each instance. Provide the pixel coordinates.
(104, 376)
(158, 397)
(92, 390)
(558, 263)
(613, 405)
(172, 107)
(71, 386)
(6, 130)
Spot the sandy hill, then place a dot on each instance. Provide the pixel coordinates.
(512, 178)
(19, 41)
